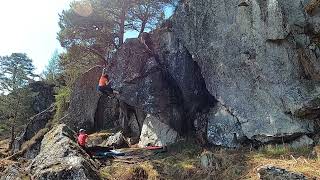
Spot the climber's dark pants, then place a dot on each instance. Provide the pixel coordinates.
(95, 149)
(106, 89)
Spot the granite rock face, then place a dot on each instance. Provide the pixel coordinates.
(257, 60)
(12, 172)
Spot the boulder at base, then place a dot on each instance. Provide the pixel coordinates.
(118, 141)
(61, 158)
(156, 133)
(302, 141)
(271, 172)
(224, 129)
(84, 101)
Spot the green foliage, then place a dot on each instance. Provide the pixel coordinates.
(74, 63)
(146, 14)
(16, 106)
(52, 71)
(62, 102)
(15, 71)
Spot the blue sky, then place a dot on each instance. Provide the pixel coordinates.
(31, 26)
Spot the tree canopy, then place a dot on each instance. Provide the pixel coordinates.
(53, 72)
(98, 26)
(92, 30)
(15, 71)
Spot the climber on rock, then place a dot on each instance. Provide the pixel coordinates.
(104, 84)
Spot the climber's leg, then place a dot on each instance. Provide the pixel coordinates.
(105, 89)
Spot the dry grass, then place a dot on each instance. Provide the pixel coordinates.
(182, 162)
(312, 5)
(5, 163)
(122, 171)
(4, 145)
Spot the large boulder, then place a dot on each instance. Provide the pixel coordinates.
(136, 73)
(256, 60)
(156, 133)
(303, 141)
(35, 124)
(117, 141)
(61, 158)
(84, 101)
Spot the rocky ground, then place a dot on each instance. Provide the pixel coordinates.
(61, 158)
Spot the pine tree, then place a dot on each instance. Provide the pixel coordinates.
(16, 71)
(52, 70)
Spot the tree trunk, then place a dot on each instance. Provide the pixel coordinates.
(11, 138)
(143, 26)
(122, 24)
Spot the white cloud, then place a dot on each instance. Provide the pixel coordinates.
(30, 26)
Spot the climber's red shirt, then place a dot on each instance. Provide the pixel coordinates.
(103, 80)
(82, 138)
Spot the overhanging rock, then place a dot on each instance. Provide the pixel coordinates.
(84, 100)
(136, 73)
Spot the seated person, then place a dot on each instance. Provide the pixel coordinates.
(104, 84)
(82, 141)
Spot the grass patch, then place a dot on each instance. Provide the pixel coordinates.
(182, 161)
(283, 151)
